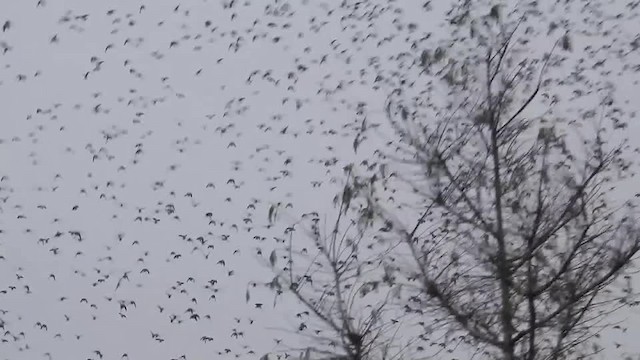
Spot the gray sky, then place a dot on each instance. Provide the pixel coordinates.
(194, 120)
(50, 127)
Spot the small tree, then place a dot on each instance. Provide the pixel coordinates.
(519, 243)
(341, 278)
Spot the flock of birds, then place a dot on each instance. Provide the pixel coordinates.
(144, 149)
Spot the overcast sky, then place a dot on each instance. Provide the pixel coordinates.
(111, 111)
(125, 129)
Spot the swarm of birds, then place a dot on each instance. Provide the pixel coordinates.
(153, 155)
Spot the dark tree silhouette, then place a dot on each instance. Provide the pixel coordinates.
(497, 190)
(342, 279)
(521, 246)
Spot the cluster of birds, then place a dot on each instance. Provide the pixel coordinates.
(146, 149)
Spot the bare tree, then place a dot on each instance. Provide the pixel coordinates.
(495, 196)
(341, 278)
(519, 245)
